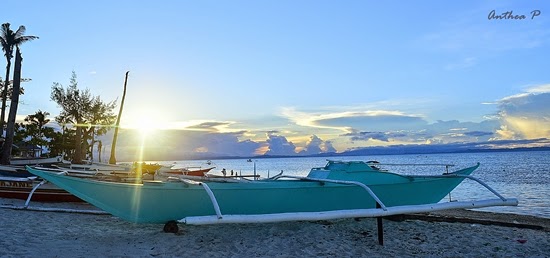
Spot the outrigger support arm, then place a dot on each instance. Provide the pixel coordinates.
(32, 192)
(213, 199)
(484, 184)
(465, 176)
(371, 193)
(208, 191)
(36, 187)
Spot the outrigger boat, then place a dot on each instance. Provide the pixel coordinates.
(338, 190)
(35, 161)
(14, 171)
(162, 172)
(167, 172)
(22, 187)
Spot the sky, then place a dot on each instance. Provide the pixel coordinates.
(248, 78)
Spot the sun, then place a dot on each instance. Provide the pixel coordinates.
(146, 129)
(146, 121)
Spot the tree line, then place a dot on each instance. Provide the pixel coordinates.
(82, 119)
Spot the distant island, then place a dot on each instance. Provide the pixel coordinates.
(366, 151)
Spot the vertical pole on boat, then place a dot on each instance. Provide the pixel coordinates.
(254, 170)
(380, 226)
(112, 159)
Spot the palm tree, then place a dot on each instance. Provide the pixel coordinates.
(36, 129)
(5, 155)
(9, 40)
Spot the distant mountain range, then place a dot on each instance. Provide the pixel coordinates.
(393, 150)
(422, 149)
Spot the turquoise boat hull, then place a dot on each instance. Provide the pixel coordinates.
(160, 202)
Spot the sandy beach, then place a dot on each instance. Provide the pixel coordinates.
(57, 234)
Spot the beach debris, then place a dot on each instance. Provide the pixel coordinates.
(522, 241)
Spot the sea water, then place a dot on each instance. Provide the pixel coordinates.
(523, 175)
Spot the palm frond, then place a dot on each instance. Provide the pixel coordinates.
(20, 32)
(5, 29)
(6, 38)
(21, 40)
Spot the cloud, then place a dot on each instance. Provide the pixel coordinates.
(515, 143)
(279, 145)
(456, 131)
(179, 144)
(393, 126)
(316, 145)
(525, 115)
(521, 116)
(381, 136)
(440, 132)
(521, 120)
(447, 147)
(478, 133)
(377, 120)
(209, 126)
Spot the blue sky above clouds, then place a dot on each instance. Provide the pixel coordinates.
(285, 77)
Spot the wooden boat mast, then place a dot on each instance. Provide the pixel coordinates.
(112, 159)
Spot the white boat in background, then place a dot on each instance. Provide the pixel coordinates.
(93, 166)
(35, 161)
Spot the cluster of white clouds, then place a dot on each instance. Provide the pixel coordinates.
(279, 145)
(525, 115)
(521, 120)
(520, 117)
(182, 144)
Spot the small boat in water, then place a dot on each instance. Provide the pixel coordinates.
(340, 189)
